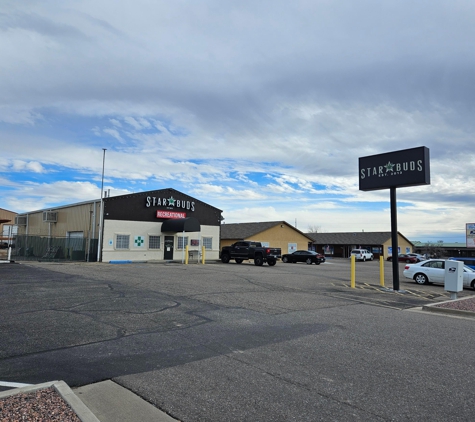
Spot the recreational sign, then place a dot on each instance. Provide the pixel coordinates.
(409, 167)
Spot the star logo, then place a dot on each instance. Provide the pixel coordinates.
(389, 167)
(171, 201)
(139, 241)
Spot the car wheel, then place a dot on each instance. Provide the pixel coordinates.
(271, 262)
(364, 259)
(371, 258)
(309, 261)
(258, 261)
(408, 261)
(239, 261)
(285, 259)
(421, 279)
(317, 262)
(473, 284)
(225, 258)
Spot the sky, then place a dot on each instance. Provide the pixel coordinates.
(259, 108)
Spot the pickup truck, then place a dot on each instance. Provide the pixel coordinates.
(245, 249)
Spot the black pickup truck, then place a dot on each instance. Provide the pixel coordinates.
(245, 249)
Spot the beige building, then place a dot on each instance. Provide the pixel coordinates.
(7, 220)
(277, 234)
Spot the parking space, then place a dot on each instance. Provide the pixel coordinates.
(225, 341)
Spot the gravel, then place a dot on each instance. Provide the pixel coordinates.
(459, 305)
(45, 405)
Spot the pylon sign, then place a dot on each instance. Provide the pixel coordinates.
(409, 167)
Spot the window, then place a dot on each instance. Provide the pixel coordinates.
(208, 242)
(122, 241)
(154, 242)
(180, 242)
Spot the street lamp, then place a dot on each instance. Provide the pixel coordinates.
(101, 216)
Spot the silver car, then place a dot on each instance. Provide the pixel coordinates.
(433, 271)
(418, 256)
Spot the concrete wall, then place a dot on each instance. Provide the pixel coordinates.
(145, 229)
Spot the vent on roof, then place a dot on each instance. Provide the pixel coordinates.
(50, 217)
(20, 221)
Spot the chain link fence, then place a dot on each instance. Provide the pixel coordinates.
(40, 248)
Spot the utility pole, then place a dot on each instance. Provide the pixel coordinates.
(101, 215)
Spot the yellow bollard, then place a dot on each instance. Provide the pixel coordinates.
(353, 272)
(186, 255)
(203, 254)
(381, 271)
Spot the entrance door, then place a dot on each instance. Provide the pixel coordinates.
(168, 254)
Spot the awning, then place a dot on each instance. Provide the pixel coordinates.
(176, 225)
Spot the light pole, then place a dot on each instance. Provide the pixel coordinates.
(101, 215)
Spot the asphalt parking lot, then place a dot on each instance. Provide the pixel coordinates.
(228, 342)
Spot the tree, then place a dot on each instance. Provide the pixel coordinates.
(312, 228)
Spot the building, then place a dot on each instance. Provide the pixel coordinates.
(158, 225)
(147, 226)
(7, 228)
(278, 234)
(341, 244)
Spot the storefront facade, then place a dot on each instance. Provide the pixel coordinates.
(159, 225)
(147, 226)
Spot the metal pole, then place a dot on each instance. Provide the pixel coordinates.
(394, 239)
(101, 216)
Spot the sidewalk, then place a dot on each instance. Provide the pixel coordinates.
(104, 401)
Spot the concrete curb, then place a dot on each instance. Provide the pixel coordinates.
(81, 410)
(433, 307)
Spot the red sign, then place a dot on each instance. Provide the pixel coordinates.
(170, 214)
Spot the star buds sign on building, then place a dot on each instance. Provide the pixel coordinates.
(409, 167)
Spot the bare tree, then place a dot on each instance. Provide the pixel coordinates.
(434, 249)
(312, 228)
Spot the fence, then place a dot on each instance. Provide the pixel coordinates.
(40, 248)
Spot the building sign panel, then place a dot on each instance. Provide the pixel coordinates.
(409, 167)
(170, 214)
(470, 230)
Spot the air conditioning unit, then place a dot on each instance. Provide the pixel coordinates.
(50, 217)
(20, 220)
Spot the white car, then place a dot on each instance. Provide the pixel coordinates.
(433, 271)
(362, 254)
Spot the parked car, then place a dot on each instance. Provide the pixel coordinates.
(433, 271)
(310, 257)
(362, 255)
(418, 256)
(402, 257)
(468, 261)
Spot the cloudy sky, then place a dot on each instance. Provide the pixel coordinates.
(260, 108)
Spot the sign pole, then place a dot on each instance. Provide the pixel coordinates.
(394, 238)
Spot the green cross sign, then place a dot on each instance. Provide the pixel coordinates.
(139, 241)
